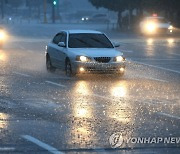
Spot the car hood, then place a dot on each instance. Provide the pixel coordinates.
(95, 52)
(163, 25)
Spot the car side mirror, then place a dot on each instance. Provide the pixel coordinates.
(116, 45)
(62, 44)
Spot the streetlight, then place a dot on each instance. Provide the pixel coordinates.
(53, 10)
(45, 11)
(54, 2)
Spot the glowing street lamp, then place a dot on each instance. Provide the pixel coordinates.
(54, 3)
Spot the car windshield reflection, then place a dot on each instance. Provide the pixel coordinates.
(89, 41)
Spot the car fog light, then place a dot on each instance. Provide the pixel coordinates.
(122, 69)
(81, 69)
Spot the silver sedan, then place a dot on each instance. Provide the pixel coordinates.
(84, 51)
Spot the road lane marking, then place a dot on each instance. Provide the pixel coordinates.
(155, 79)
(7, 149)
(175, 54)
(63, 78)
(21, 47)
(150, 59)
(168, 115)
(6, 104)
(22, 74)
(30, 40)
(42, 144)
(31, 99)
(56, 84)
(108, 98)
(30, 51)
(153, 103)
(162, 68)
(42, 104)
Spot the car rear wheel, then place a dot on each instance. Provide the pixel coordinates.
(49, 66)
(68, 69)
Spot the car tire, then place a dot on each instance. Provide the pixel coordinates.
(68, 69)
(49, 66)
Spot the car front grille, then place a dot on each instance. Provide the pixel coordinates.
(102, 59)
(162, 30)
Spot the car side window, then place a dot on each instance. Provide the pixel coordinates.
(57, 38)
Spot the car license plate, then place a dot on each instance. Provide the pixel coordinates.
(104, 66)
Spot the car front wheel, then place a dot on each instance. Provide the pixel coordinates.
(68, 69)
(49, 66)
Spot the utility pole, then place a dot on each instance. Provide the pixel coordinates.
(53, 14)
(53, 10)
(58, 10)
(45, 11)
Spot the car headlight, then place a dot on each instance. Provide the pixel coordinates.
(151, 27)
(119, 59)
(170, 27)
(83, 58)
(2, 35)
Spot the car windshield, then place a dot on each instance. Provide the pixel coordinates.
(88, 40)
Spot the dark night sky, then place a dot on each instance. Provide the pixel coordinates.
(80, 4)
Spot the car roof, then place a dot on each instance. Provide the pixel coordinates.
(154, 17)
(83, 31)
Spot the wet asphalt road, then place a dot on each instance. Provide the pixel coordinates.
(42, 112)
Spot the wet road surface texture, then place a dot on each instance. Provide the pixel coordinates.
(42, 112)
